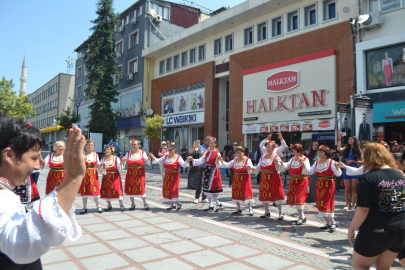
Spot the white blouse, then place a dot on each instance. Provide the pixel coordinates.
(234, 164)
(267, 161)
(110, 163)
(201, 160)
(295, 164)
(138, 156)
(25, 237)
(92, 157)
(170, 160)
(55, 159)
(278, 150)
(322, 167)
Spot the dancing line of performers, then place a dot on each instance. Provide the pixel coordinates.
(270, 166)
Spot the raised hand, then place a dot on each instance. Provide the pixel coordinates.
(280, 136)
(340, 135)
(73, 158)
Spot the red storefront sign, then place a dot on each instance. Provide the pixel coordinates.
(274, 129)
(307, 127)
(285, 128)
(283, 81)
(324, 124)
(295, 127)
(264, 129)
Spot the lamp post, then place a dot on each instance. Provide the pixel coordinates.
(77, 104)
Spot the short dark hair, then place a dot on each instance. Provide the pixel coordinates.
(346, 119)
(326, 150)
(364, 114)
(298, 147)
(19, 136)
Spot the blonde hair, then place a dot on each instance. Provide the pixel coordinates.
(55, 146)
(377, 156)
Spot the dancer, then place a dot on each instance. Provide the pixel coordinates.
(111, 186)
(299, 181)
(271, 188)
(135, 178)
(90, 185)
(354, 157)
(212, 183)
(241, 184)
(325, 169)
(278, 150)
(55, 162)
(171, 180)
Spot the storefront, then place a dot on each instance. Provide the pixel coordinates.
(128, 129)
(295, 97)
(389, 121)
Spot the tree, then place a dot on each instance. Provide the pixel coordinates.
(99, 61)
(67, 118)
(153, 127)
(13, 104)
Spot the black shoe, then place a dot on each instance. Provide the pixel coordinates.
(178, 207)
(122, 207)
(84, 211)
(217, 209)
(327, 226)
(132, 207)
(332, 228)
(265, 215)
(170, 208)
(237, 212)
(211, 208)
(100, 210)
(109, 208)
(281, 217)
(220, 205)
(251, 213)
(301, 221)
(146, 207)
(274, 204)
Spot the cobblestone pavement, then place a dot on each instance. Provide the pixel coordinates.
(196, 239)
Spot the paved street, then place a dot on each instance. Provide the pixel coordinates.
(194, 239)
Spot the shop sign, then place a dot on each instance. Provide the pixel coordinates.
(315, 113)
(264, 129)
(183, 119)
(284, 127)
(390, 5)
(248, 129)
(293, 126)
(274, 128)
(307, 126)
(283, 81)
(324, 137)
(250, 118)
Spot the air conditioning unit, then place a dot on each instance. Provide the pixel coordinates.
(121, 29)
(130, 77)
(133, 20)
(119, 55)
(158, 19)
(375, 20)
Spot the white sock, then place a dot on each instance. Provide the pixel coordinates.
(210, 201)
(280, 208)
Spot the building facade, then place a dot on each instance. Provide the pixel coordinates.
(380, 57)
(273, 66)
(137, 30)
(50, 100)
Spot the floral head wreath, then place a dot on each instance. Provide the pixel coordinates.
(291, 146)
(240, 148)
(384, 143)
(132, 141)
(29, 124)
(213, 138)
(63, 141)
(393, 142)
(86, 141)
(112, 148)
(321, 147)
(172, 144)
(269, 141)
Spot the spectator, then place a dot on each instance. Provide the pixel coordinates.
(183, 154)
(227, 148)
(309, 147)
(202, 149)
(258, 155)
(245, 147)
(163, 149)
(286, 158)
(229, 158)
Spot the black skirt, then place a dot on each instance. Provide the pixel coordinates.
(7, 264)
(193, 178)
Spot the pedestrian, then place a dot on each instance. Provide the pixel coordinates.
(309, 147)
(90, 186)
(313, 153)
(183, 154)
(111, 187)
(194, 172)
(202, 150)
(171, 180)
(212, 183)
(394, 147)
(56, 170)
(338, 179)
(354, 157)
(400, 160)
(325, 169)
(231, 156)
(299, 168)
(162, 150)
(270, 189)
(227, 148)
(27, 236)
(286, 158)
(136, 159)
(380, 214)
(257, 157)
(241, 184)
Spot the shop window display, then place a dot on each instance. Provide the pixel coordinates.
(386, 67)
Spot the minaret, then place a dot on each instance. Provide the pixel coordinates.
(23, 78)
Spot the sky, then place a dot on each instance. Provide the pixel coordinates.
(49, 31)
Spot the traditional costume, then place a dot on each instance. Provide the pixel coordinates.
(299, 182)
(111, 187)
(28, 193)
(278, 151)
(56, 173)
(90, 186)
(271, 188)
(135, 178)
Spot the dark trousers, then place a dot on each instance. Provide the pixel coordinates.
(35, 176)
(227, 172)
(258, 177)
(198, 191)
(230, 176)
(181, 169)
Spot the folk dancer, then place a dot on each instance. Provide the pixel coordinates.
(111, 187)
(241, 183)
(325, 168)
(90, 187)
(135, 178)
(279, 150)
(55, 162)
(171, 179)
(212, 183)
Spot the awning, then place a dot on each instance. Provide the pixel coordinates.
(51, 129)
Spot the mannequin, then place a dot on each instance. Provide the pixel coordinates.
(388, 69)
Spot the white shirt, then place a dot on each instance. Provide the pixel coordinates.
(319, 166)
(55, 159)
(202, 159)
(110, 163)
(278, 150)
(138, 156)
(295, 163)
(267, 161)
(234, 164)
(352, 171)
(170, 160)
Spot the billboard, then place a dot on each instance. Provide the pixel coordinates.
(363, 112)
(344, 121)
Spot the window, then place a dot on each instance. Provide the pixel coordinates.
(79, 91)
(176, 62)
(193, 57)
(373, 5)
(166, 13)
(201, 53)
(293, 21)
(133, 39)
(127, 20)
(183, 59)
(248, 36)
(162, 67)
(125, 102)
(79, 72)
(168, 64)
(136, 96)
(119, 48)
(277, 26)
(391, 5)
(115, 106)
(84, 112)
(228, 43)
(133, 65)
(217, 46)
(310, 14)
(262, 31)
(385, 67)
(161, 10)
(329, 10)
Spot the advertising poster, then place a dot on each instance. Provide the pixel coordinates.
(182, 102)
(168, 105)
(197, 100)
(180, 138)
(363, 109)
(344, 118)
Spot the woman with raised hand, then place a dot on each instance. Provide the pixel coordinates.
(271, 188)
(56, 170)
(171, 179)
(278, 150)
(241, 183)
(25, 237)
(299, 181)
(135, 178)
(212, 183)
(111, 186)
(325, 169)
(90, 187)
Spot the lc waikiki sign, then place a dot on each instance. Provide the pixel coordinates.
(281, 91)
(183, 119)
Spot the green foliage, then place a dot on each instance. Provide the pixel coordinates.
(13, 104)
(99, 61)
(67, 118)
(153, 127)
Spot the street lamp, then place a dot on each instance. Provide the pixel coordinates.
(77, 104)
